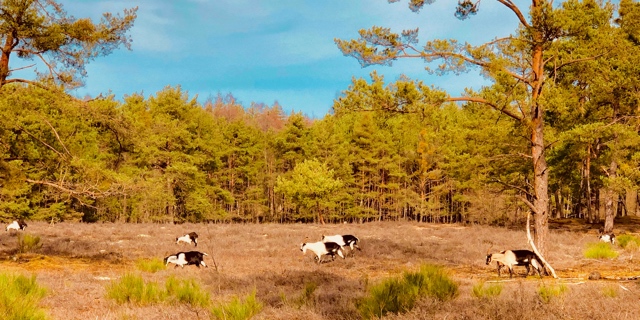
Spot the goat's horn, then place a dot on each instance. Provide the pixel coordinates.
(489, 250)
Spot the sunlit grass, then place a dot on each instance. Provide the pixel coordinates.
(399, 295)
(150, 265)
(600, 250)
(549, 292)
(19, 298)
(237, 309)
(491, 290)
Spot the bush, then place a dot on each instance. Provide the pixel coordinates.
(19, 298)
(150, 265)
(546, 293)
(187, 291)
(133, 289)
(600, 250)
(236, 309)
(629, 242)
(28, 243)
(398, 295)
(492, 290)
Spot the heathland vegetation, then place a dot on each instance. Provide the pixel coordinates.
(555, 134)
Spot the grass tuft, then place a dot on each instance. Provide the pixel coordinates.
(19, 298)
(610, 292)
(237, 309)
(150, 265)
(492, 290)
(628, 242)
(188, 292)
(547, 293)
(399, 295)
(600, 250)
(28, 243)
(132, 288)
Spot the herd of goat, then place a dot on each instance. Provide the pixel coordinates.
(337, 244)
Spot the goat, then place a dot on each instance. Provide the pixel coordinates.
(17, 225)
(343, 240)
(609, 237)
(189, 238)
(186, 258)
(511, 258)
(321, 249)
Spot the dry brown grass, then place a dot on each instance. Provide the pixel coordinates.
(75, 260)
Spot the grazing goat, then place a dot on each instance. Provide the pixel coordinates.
(186, 258)
(189, 238)
(511, 258)
(17, 225)
(609, 237)
(343, 240)
(321, 249)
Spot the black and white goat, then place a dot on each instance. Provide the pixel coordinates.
(17, 225)
(511, 258)
(186, 258)
(608, 237)
(188, 238)
(343, 240)
(322, 249)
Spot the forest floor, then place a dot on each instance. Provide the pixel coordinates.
(76, 263)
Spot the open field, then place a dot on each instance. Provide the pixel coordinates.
(77, 261)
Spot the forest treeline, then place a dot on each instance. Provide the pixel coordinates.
(387, 151)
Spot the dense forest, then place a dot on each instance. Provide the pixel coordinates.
(169, 158)
(388, 150)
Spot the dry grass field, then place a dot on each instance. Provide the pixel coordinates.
(76, 263)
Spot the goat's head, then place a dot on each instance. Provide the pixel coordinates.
(489, 256)
(303, 248)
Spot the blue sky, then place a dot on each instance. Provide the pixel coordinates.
(267, 51)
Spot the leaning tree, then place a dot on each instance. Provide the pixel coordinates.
(521, 67)
(42, 33)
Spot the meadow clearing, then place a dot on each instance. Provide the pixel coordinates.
(77, 262)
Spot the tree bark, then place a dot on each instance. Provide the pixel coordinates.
(610, 196)
(540, 167)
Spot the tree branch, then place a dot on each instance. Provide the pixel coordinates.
(25, 67)
(484, 101)
(517, 11)
(58, 137)
(41, 141)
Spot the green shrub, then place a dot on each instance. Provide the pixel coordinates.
(28, 243)
(187, 291)
(237, 309)
(150, 265)
(398, 295)
(629, 242)
(546, 293)
(491, 290)
(19, 297)
(600, 250)
(133, 289)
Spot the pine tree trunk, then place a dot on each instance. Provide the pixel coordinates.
(540, 183)
(609, 197)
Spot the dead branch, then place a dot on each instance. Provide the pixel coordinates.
(533, 246)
